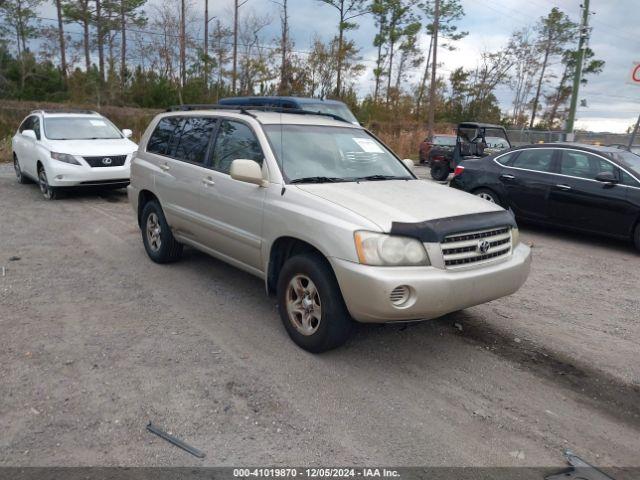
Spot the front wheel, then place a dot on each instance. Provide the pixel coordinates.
(49, 192)
(311, 305)
(158, 240)
(439, 171)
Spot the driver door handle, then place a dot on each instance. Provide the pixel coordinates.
(165, 167)
(507, 176)
(208, 182)
(563, 187)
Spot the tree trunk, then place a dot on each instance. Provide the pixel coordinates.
(234, 74)
(183, 45)
(434, 68)
(123, 47)
(534, 108)
(63, 54)
(87, 51)
(340, 51)
(100, 33)
(206, 45)
(389, 72)
(378, 74)
(284, 80)
(556, 101)
(423, 82)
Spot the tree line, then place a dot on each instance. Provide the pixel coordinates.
(132, 52)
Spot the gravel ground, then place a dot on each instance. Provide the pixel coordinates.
(98, 341)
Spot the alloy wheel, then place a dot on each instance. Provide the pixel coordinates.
(153, 232)
(45, 188)
(486, 196)
(303, 305)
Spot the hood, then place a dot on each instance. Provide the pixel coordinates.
(384, 202)
(88, 148)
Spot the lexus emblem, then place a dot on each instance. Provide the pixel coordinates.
(107, 161)
(483, 246)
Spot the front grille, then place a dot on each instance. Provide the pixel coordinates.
(475, 247)
(106, 161)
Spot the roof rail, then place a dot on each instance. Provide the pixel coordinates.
(66, 110)
(261, 108)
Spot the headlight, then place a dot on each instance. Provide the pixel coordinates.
(65, 157)
(382, 249)
(515, 236)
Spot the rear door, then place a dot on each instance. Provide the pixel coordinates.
(527, 181)
(578, 200)
(234, 209)
(181, 146)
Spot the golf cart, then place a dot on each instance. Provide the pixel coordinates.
(472, 140)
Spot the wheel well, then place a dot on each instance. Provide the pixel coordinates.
(144, 197)
(281, 250)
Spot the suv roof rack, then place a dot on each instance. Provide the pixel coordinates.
(261, 108)
(67, 110)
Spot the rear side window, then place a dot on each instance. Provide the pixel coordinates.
(162, 135)
(194, 139)
(506, 159)
(35, 126)
(235, 141)
(538, 160)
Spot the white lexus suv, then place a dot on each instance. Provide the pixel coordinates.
(60, 149)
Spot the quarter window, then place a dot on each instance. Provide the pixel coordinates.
(162, 135)
(194, 139)
(505, 159)
(538, 160)
(235, 141)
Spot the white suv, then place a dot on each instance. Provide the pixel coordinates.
(65, 149)
(335, 224)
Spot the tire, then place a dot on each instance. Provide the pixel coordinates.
(19, 175)
(332, 325)
(488, 195)
(49, 192)
(636, 237)
(157, 238)
(439, 171)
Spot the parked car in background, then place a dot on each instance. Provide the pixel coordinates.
(440, 146)
(332, 107)
(336, 225)
(580, 187)
(60, 149)
(473, 140)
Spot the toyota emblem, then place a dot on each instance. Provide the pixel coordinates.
(483, 246)
(107, 161)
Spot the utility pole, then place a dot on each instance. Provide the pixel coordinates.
(582, 45)
(434, 66)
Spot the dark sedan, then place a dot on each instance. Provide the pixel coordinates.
(581, 187)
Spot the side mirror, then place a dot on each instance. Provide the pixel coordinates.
(408, 163)
(29, 134)
(248, 171)
(606, 177)
(127, 133)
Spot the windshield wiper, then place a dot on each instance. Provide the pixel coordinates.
(381, 177)
(318, 180)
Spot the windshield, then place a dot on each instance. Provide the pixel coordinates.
(334, 109)
(446, 141)
(629, 160)
(497, 143)
(80, 128)
(314, 153)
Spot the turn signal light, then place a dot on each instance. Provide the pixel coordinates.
(458, 171)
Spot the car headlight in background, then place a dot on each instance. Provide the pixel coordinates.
(390, 250)
(515, 236)
(65, 157)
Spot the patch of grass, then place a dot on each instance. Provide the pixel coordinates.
(5, 149)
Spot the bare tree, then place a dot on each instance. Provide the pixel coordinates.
(61, 40)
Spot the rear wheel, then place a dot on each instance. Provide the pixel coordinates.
(158, 240)
(311, 305)
(49, 192)
(488, 195)
(19, 175)
(439, 171)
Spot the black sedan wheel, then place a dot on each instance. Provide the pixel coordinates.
(488, 195)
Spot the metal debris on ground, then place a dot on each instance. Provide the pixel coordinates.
(175, 441)
(579, 470)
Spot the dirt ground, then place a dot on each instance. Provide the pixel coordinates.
(97, 341)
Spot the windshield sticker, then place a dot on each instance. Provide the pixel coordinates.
(368, 145)
(98, 123)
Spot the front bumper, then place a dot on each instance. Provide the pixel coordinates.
(434, 291)
(61, 174)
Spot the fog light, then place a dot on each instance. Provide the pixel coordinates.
(400, 295)
(59, 177)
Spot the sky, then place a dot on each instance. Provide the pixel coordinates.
(613, 104)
